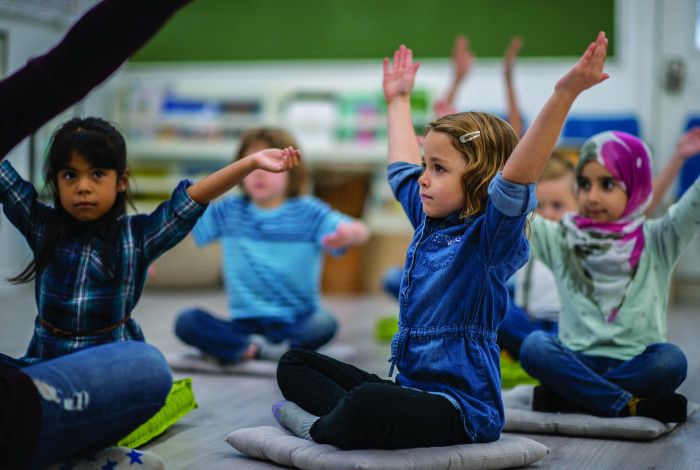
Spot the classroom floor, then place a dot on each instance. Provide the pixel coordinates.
(229, 403)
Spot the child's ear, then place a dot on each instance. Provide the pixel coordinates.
(123, 181)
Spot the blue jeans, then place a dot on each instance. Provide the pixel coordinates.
(601, 384)
(92, 398)
(227, 340)
(391, 281)
(515, 327)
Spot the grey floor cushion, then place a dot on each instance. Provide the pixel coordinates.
(521, 418)
(192, 360)
(279, 446)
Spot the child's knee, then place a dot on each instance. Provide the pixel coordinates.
(669, 363)
(288, 365)
(157, 378)
(535, 347)
(185, 323)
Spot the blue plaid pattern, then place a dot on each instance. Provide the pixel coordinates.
(75, 292)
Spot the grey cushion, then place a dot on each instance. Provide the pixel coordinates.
(521, 418)
(194, 361)
(279, 446)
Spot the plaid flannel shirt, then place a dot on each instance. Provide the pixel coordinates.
(75, 292)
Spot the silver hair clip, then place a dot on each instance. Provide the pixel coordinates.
(469, 136)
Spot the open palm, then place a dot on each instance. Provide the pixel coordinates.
(400, 75)
(588, 71)
(689, 144)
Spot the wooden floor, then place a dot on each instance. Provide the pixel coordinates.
(229, 403)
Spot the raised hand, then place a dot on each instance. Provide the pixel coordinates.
(516, 43)
(400, 75)
(588, 71)
(689, 144)
(462, 58)
(443, 108)
(276, 160)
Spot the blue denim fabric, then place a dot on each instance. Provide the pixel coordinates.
(228, 339)
(517, 325)
(453, 296)
(94, 397)
(601, 384)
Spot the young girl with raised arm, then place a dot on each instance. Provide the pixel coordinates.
(613, 269)
(90, 259)
(273, 238)
(53, 409)
(468, 203)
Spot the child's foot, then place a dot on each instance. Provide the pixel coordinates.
(544, 399)
(115, 458)
(268, 351)
(667, 408)
(290, 416)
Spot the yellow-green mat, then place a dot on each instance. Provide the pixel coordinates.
(511, 372)
(178, 403)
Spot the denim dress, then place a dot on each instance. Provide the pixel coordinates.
(453, 296)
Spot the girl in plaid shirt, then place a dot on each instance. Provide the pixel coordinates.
(90, 258)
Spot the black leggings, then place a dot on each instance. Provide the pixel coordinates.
(359, 410)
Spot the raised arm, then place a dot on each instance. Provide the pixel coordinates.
(96, 45)
(532, 152)
(397, 85)
(688, 145)
(508, 65)
(216, 184)
(462, 61)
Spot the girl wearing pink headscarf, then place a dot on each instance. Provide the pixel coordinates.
(613, 267)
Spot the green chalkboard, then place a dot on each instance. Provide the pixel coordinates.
(225, 30)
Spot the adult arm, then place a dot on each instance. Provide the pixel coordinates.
(97, 44)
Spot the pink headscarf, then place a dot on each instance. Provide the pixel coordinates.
(609, 252)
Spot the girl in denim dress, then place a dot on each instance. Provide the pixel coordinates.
(468, 203)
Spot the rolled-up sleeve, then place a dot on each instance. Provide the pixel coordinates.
(513, 199)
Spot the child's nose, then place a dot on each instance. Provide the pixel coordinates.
(83, 185)
(423, 180)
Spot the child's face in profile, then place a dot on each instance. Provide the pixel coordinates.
(556, 197)
(87, 193)
(265, 189)
(441, 191)
(600, 195)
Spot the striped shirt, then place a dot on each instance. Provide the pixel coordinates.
(271, 257)
(75, 293)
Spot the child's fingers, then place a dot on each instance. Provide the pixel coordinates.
(395, 65)
(386, 67)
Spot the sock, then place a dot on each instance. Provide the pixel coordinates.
(292, 417)
(545, 399)
(267, 350)
(667, 408)
(114, 458)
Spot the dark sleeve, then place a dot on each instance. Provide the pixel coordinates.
(20, 418)
(96, 45)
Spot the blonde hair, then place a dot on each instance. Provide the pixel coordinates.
(557, 167)
(485, 155)
(274, 137)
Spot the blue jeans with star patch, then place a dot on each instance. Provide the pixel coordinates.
(92, 398)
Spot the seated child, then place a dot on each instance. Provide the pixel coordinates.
(612, 268)
(536, 303)
(273, 239)
(90, 258)
(468, 203)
